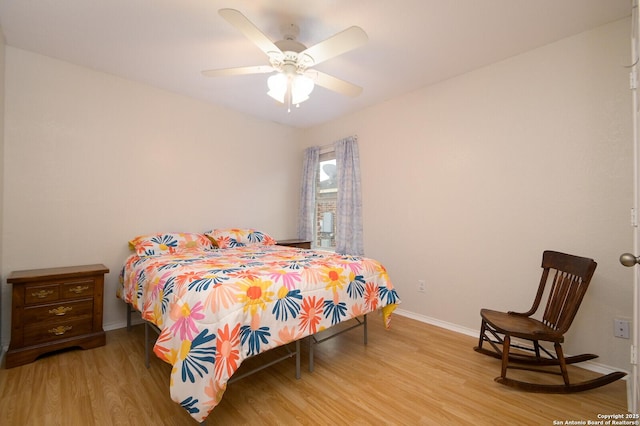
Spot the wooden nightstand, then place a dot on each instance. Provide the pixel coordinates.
(295, 243)
(53, 309)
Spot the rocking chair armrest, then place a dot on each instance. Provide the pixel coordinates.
(519, 314)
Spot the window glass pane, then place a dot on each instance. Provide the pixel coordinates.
(327, 175)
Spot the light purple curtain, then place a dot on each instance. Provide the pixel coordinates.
(349, 209)
(308, 194)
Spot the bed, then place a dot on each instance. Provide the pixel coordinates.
(220, 297)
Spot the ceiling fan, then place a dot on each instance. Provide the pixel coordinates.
(292, 62)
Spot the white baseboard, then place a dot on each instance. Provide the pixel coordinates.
(122, 324)
(587, 365)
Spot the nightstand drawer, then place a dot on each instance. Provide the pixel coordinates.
(41, 293)
(58, 311)
(47, 332)
(77, 289)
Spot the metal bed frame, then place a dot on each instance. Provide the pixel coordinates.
(315, 339)
(147, 352)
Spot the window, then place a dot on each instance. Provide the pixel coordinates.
(331, 211)
(326, 201)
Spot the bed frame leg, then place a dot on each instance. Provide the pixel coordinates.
(146, 345)
(298, 375)
(366, 335)
(311, 354)
(313, 340)
(128, 317)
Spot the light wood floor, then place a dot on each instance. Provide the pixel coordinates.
(412, 374)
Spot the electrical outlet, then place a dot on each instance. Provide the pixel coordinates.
(621, 328)
(421, 286)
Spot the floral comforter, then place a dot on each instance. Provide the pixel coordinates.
(216, 308)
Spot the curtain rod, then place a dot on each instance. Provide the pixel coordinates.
(330, 145)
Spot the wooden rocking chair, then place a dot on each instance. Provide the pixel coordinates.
(570, 278)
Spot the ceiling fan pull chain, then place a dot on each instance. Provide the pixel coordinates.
(288, 94)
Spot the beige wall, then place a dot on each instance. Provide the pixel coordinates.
(466, 182)
(92, 160)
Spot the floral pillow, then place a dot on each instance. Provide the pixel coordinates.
(172, 242)
(239, 237)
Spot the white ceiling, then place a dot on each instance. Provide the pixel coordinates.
(412, 43)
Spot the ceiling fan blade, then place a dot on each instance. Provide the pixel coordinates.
(336, 45)
(335, 84)
(250, 31)
(256, 69)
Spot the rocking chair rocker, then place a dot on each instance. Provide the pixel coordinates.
(571, 277)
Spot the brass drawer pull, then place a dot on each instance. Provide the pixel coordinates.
(60, 330)
(42, 294)
(79, 289)
(61, 310)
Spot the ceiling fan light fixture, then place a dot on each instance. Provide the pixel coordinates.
(277, 84)
(298, 85)
(301, 88)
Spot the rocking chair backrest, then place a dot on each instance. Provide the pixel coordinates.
(571, 277)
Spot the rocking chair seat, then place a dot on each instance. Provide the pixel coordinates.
(521, 326)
